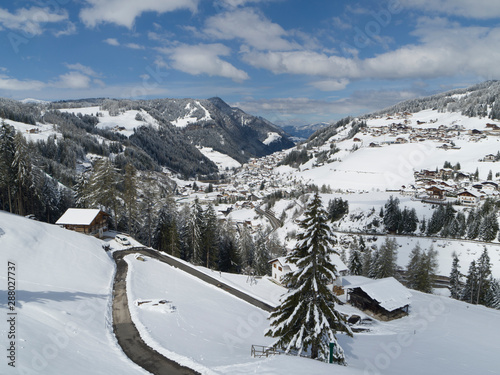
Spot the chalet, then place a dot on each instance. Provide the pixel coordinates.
(489, 157)
(280, 267)
(469, 197)
(385, 299)
(435, 192)
(83, 220)
(401, 140)
(356, 140)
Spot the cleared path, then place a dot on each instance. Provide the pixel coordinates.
(124, 329)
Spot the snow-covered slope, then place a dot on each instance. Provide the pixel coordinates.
(63, 292)
(373, 160)
(213, 331)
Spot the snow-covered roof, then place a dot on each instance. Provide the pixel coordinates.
(388, 292)
(78, 216)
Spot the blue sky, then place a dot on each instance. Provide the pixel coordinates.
(291, 61)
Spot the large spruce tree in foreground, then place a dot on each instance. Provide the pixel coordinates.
(307, 321)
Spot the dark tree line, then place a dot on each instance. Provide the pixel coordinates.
(477, 286)
(195, 234)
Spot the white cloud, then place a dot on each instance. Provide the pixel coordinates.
(479, 9)
(83, 69)
(9, 83)
(204, 59)
(112, 41)
(30, 20)
(134, 46)
(253, 28)
(330, 84)
(72, 80)
(124, 12)
(444, 50)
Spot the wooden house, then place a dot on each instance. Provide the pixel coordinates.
(83, 220)
(469, 197)
(385, 299)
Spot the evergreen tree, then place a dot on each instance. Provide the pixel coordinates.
(426, 271)
(229, 260)
(355, 261)
(494, 294)
(209, 238)
(262, 255)
(166, 236)
(385, 263)
(455, 278)
(246, 249)
(490, 176)
(488, 228)
(413, 267)
(7, 171)
(483, 270)
(392, 214)
(22, 167)
(469, 292)
(307, 319)
(473, 225)
(337, 208)
(102, 189)
(195, 226)
(130, 196)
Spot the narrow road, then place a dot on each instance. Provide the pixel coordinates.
(127, 334)
(124, 329)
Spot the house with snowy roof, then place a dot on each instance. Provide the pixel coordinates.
(385, 299)
(469, 197)
(85, 220)
(280, 267)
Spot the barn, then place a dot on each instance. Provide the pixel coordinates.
(386, 299)
(84, 220)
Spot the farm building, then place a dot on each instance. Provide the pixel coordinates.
(83, 220)
(386, 298)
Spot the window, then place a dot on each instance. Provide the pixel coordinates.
(281, 269)
(274, 265)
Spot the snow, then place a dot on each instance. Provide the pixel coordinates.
(63, 296)
(63, 304)
(222, 161)
(392, 165)
(271, 137)
(39, 131)
(182, 122)
(124, 123)
(78, 216)
(388, 292)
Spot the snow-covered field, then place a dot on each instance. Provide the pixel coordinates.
(63, 295)
(63, 282)
(392, 165)
(124, 123)
(213, 331)
(222, 161)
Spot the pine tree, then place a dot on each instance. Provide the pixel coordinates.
(455, 278)
(246, 248)
(7, 171)
(209, 238)
(413, 267)
(385, 263)
(307, 319)
(392, 214)
(483, 270)
(469, 292)
(262, 255)
(427, 270)
(194, 232)
(488, 228)
(229, 260)
(130, 196)
(22, 167)
(355, 261)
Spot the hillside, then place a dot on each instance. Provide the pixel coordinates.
(63, 318)
(63, 294)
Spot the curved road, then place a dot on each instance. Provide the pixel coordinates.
(127, 334)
